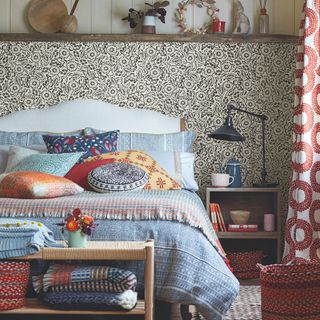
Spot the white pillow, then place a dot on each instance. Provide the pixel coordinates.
(16, 154)
(179, 165)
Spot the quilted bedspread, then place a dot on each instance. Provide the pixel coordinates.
(188, 258)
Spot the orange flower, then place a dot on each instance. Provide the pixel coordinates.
(88, 220)
(72, 225)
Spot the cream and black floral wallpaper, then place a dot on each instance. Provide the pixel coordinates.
(191, 80)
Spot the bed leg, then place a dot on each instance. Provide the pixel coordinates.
(185, 312)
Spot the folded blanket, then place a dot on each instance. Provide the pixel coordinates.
(91, 300)
(67, 277)
(23, 237)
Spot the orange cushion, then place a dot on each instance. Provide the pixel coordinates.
(36, 185)
(158, 177)
(79, 172)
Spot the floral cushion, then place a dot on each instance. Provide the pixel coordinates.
(79, 172)
(158, 177)
(35, 185)
(117, 177)
(89, 145)
(56, 164)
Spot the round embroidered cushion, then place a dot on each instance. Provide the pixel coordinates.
(117, 177)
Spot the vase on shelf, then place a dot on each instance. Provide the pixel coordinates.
(149, 25)
(263, 18)
(77, 239)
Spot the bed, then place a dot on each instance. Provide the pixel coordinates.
(189, 263)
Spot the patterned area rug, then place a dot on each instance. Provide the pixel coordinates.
(247, 305)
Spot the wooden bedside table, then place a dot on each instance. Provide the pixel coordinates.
(258, 201)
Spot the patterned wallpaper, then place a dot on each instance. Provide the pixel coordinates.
(191, 80)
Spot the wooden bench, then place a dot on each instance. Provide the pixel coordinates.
(99, 250)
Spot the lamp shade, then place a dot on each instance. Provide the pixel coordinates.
(227, 132)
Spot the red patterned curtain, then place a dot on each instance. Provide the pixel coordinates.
(303, 222)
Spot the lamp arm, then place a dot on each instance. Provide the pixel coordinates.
(263, 119)
(232, 107)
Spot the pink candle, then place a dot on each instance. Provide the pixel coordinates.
(268, 223)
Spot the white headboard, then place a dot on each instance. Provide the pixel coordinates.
(76, 114)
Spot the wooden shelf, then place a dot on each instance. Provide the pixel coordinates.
(272, 38)
(34, 306)
(95, 250)
(244, 189)
(248, 235)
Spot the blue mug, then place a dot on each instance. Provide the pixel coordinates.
(234, 170)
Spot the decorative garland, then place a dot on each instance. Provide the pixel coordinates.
(182, 8)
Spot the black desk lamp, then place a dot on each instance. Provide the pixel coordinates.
(229, 133)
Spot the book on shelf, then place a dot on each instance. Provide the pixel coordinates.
(217, 218)
(242, 228)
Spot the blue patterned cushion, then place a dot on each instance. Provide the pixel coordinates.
(56, 164)
(178, 141)
(117, 177)
(89, 145)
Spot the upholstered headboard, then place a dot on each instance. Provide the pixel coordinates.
(73, 115)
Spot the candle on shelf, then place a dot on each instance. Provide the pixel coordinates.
(268, 222)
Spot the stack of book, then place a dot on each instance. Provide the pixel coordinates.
(216, 218)
(219, 225)
(242, 227)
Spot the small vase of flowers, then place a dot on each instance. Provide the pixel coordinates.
(79, 227)
(155, 10)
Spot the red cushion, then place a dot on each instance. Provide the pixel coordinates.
(79, 172)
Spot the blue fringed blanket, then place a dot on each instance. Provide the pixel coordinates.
(168, 205)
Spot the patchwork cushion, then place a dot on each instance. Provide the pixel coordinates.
(16, 154)
(117, 177)
(92, 300)
(177, 141)
(158, 177)
(36, 185)
(89, 145)
(79, 172)
(56, 164)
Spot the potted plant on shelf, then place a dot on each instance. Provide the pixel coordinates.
(154, 11)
